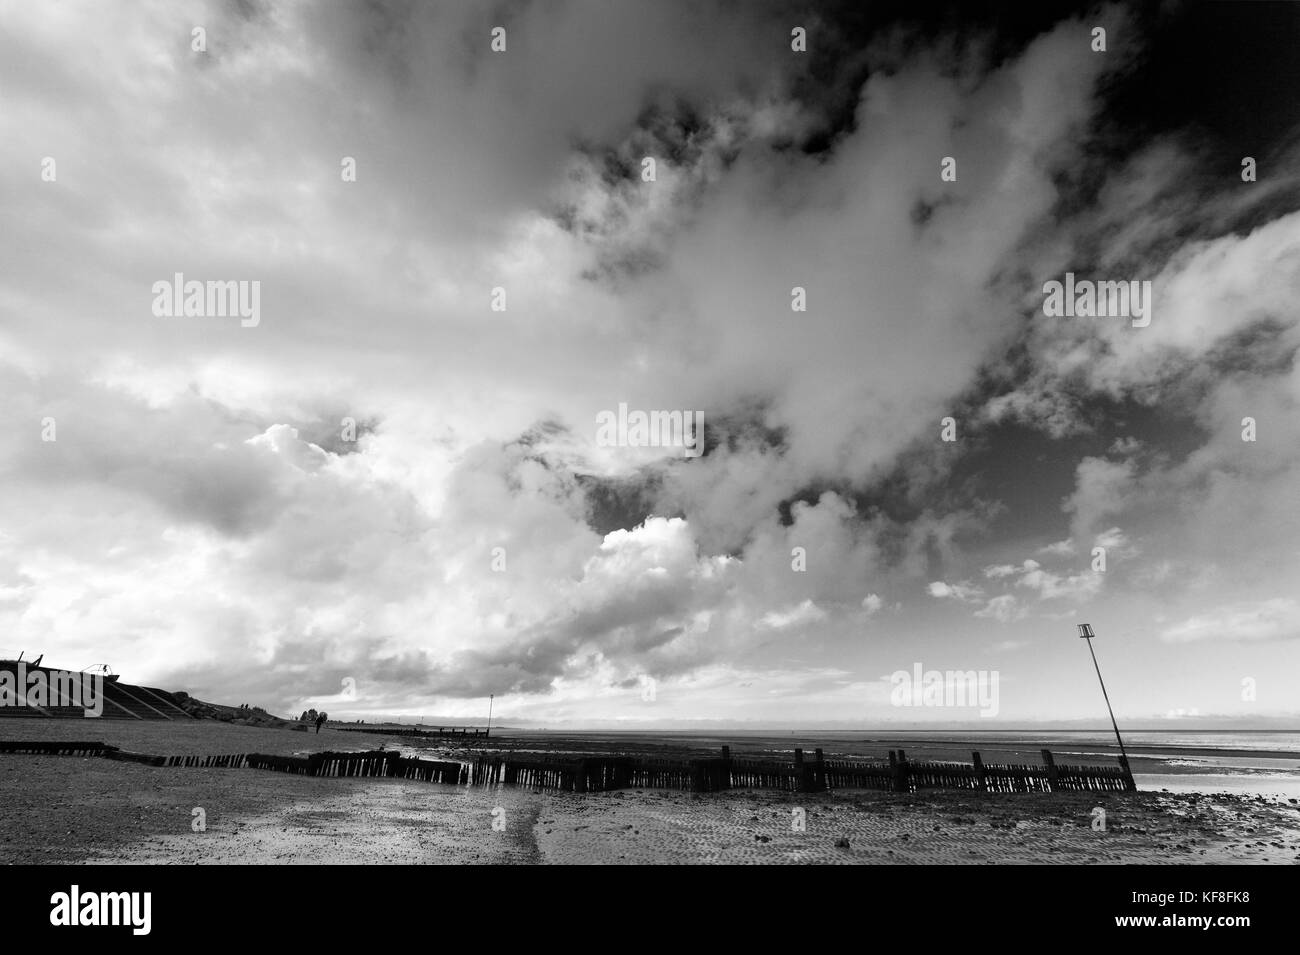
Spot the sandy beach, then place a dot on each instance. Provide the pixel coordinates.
(68, 809)
(99, 812)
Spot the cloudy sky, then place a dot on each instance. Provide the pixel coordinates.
(182, 498)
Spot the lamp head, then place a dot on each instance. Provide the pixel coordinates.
(1085, 631)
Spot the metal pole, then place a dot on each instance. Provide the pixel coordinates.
(1087, 635)
(491, 697)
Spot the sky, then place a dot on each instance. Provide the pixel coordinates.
(388, 494)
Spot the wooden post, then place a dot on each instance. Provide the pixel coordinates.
(980, 780)
(899, 765)
(1129, 784)
(819, 771)
(1053, 778)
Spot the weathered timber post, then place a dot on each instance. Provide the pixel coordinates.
(900, 772)
(1053, 777)
(980, 779)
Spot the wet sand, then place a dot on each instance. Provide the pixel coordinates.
(60, 809)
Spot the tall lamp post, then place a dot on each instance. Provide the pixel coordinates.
(1085, 633)
(491, 697)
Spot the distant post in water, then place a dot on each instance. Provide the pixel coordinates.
(1085, 633)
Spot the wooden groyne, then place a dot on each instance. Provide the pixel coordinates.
(573, 773)
(388, 763)
(442, 732)
(43, 748)
(429, 771)
(238, 761)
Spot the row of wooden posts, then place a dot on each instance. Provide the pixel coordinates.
(388, 763)
(602, 773)
(440, 732)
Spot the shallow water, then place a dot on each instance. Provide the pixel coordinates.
(1255, 784)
